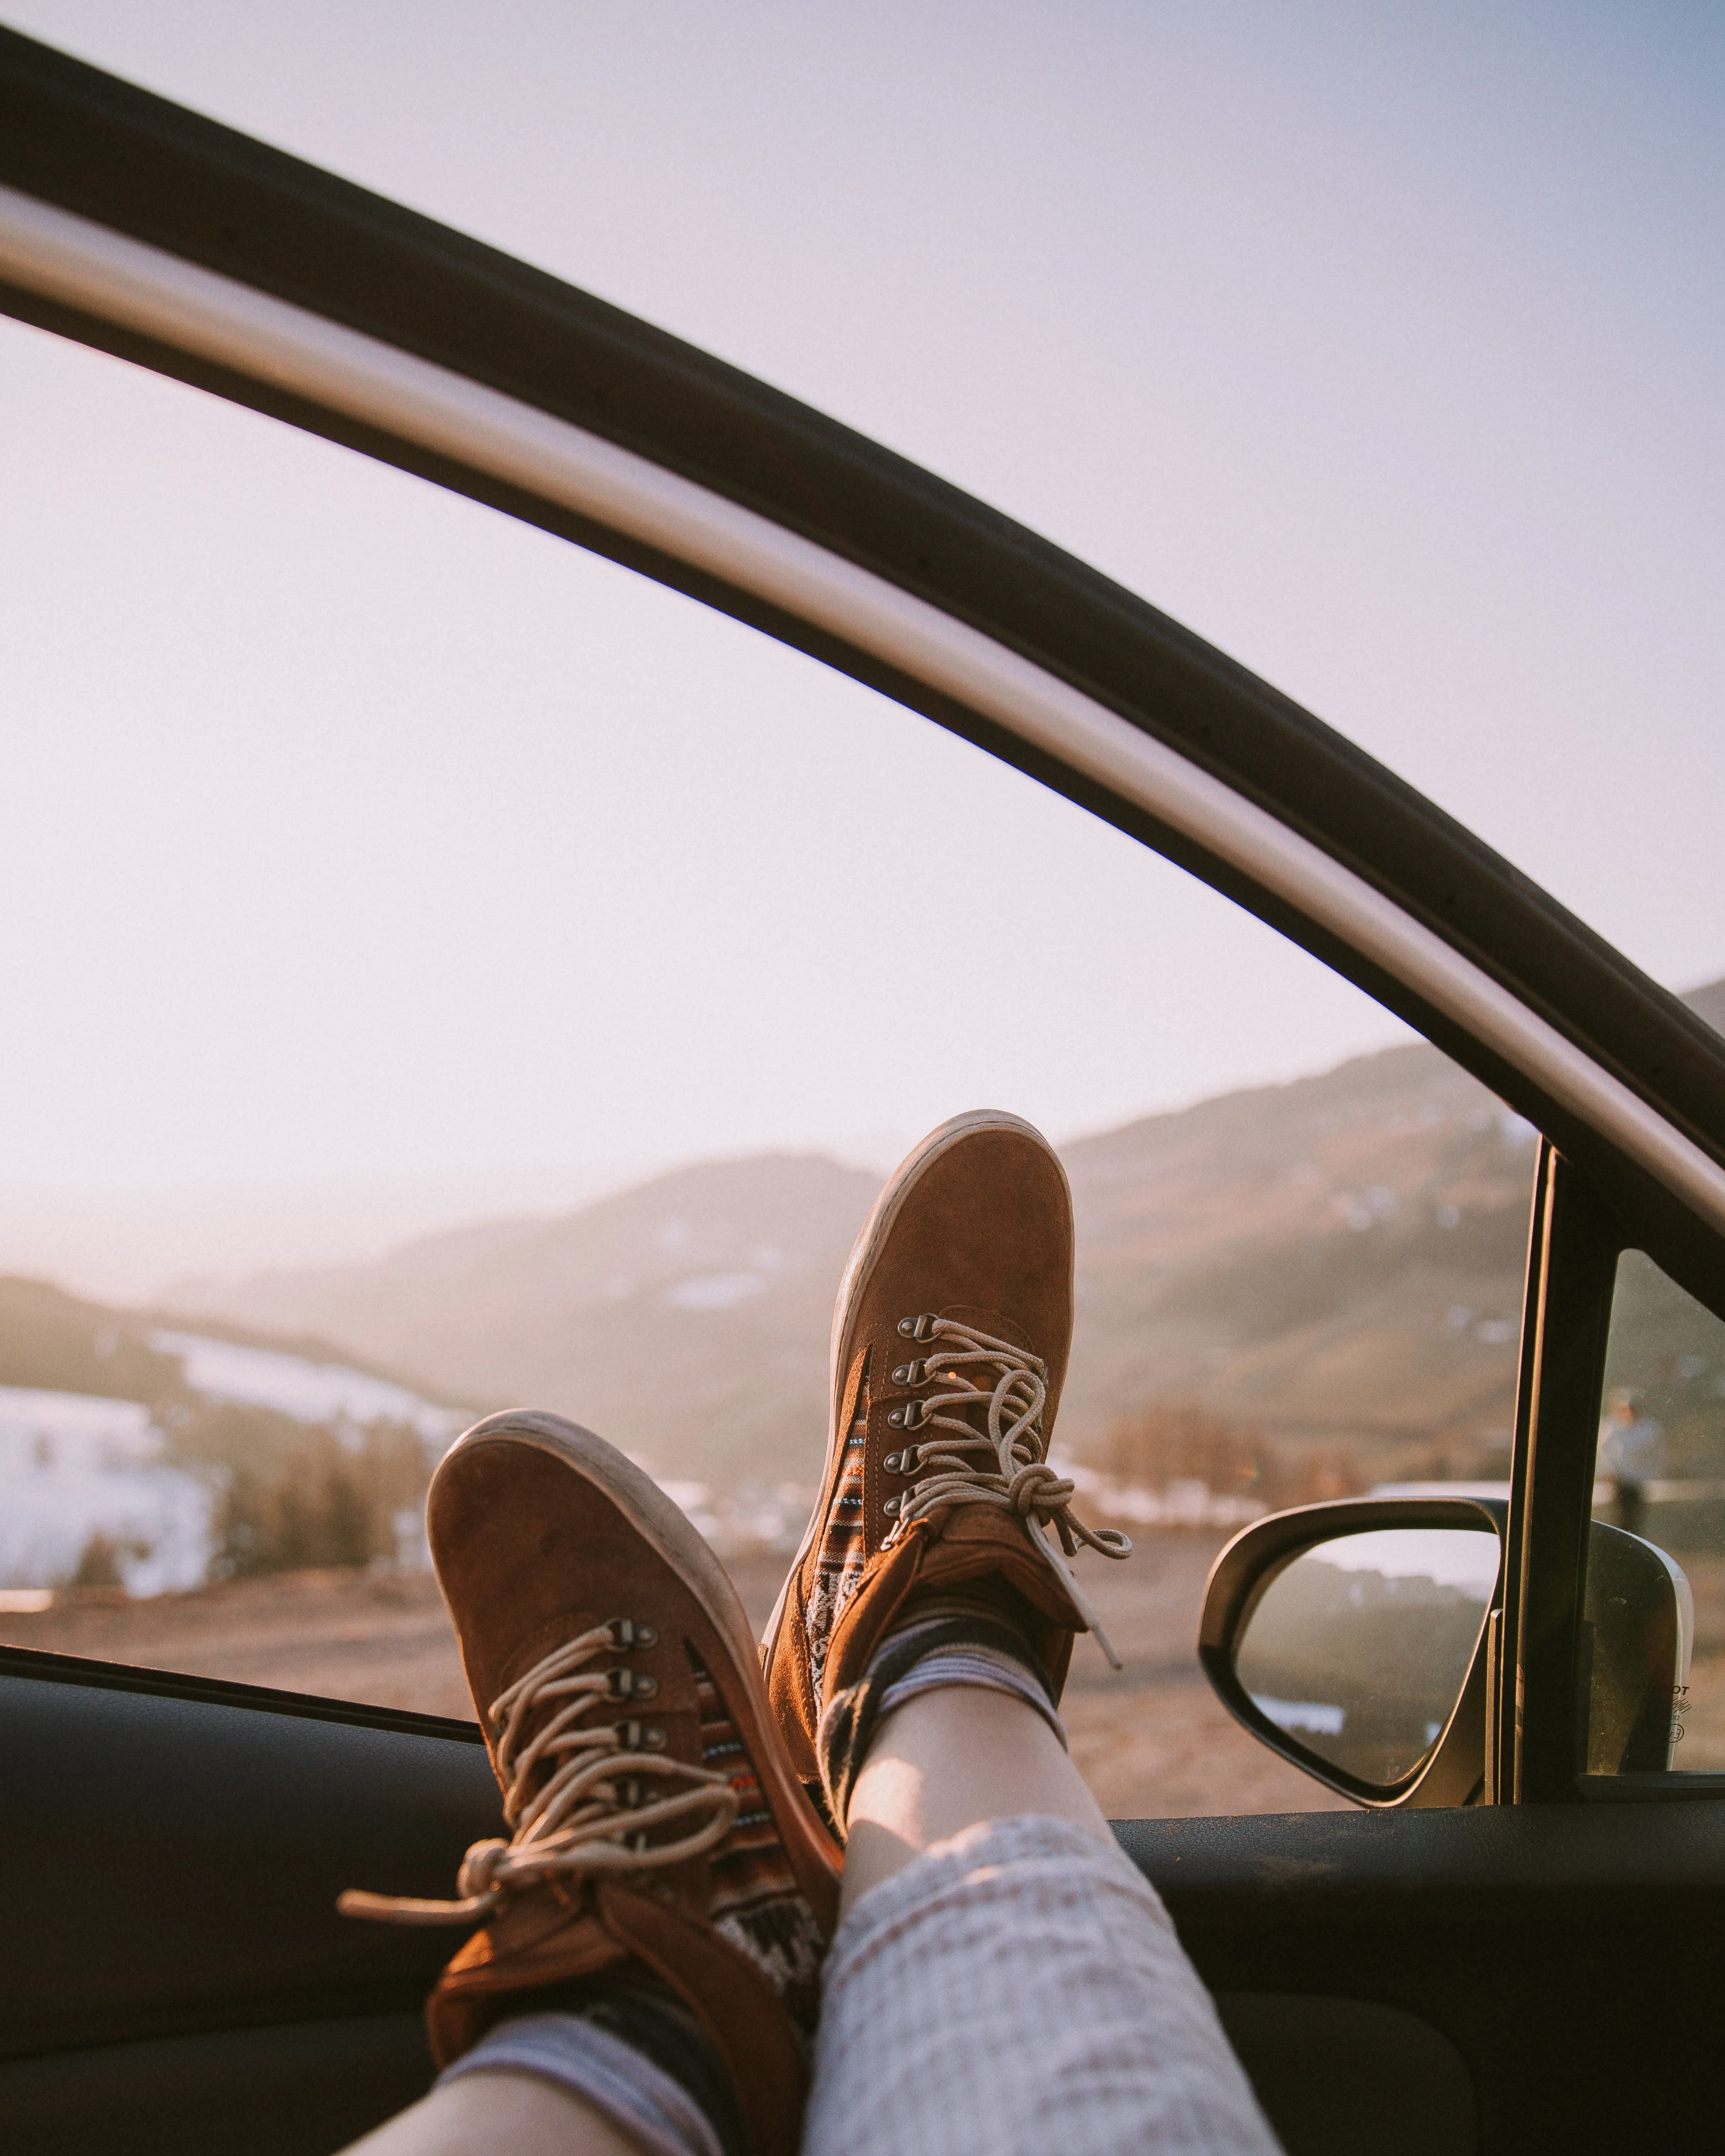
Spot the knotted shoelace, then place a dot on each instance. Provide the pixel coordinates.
(1013, 1474)
(579, 1821)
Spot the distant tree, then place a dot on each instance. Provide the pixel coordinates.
(100, 1562)
(293, 1496)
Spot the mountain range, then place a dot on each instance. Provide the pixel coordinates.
(1334, 1261)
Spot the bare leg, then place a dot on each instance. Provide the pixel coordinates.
(948, 1760)
(502, 2111)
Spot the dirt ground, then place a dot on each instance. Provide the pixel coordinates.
(1152, 1741)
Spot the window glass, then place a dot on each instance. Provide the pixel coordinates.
(1656, 1606)
(445, 972)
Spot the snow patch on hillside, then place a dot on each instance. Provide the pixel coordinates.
(73, 1466)
(309, 1392)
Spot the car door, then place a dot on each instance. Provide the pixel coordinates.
(1539, 1971)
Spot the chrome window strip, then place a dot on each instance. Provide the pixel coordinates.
(140, 288)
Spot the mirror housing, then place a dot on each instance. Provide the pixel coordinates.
(1452, 1771)
(1636, 1640)
(1637, 1630)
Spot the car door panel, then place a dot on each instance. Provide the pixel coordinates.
(193, 1979)
(1573, 1955)
(195, 1986)
(175, 1861)
(296, 2088)
(1349, 2078)
(196, 1946)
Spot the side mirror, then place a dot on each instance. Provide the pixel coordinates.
(1352, 1639)
(1638, 1627)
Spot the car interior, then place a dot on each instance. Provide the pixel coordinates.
(1508, 1936)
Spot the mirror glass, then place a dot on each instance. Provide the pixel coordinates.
(1359, 1649)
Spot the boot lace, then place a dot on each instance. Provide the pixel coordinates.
(590, 1814)
(1005, 1464)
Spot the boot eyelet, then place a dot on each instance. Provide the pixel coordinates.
(631, 1684)
(640, 1736)
(910, 1374)
(901, 1463)
(910, 1416)
(890, 1506)
(917, 1328)
(626, 1635)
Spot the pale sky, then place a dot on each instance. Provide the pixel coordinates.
(371, 863)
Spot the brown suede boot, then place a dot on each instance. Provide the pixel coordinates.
(658, 1827)
(949, 1350)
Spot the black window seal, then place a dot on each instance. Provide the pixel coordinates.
(1572, 1255)
(34, 1666)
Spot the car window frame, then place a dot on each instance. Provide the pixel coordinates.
(190, 193)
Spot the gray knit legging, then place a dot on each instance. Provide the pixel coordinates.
(1016, 1991)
